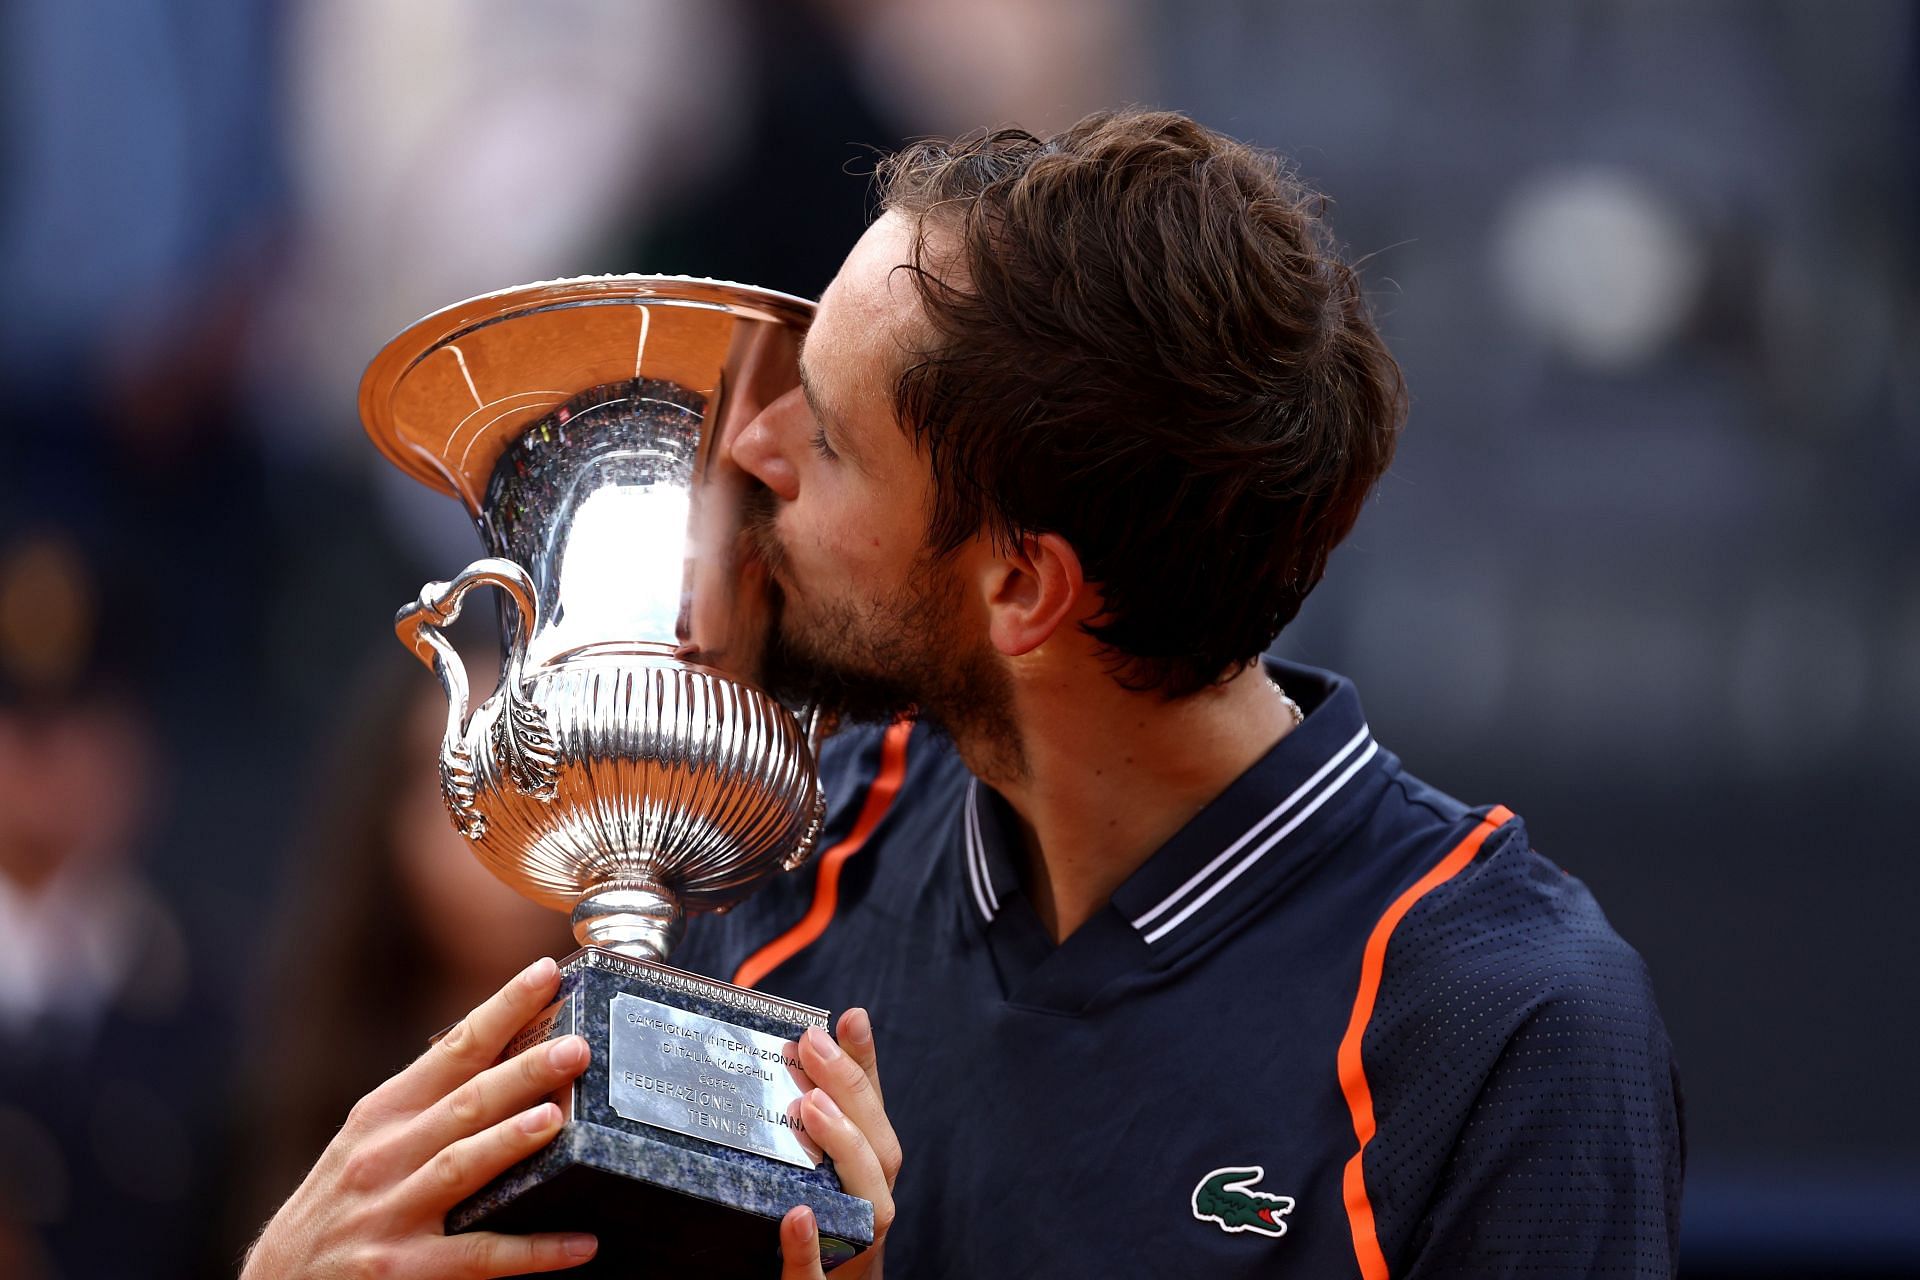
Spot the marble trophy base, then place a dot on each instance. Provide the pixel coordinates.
(674, 1056)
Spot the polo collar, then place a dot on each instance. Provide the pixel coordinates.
(987, 847)
(1265, 828)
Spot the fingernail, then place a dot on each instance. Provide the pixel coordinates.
(823, 1043)
(580, 1246)
(856, 1028)
(540, 1119)
(806, 1224)
(566, 1053)
(539, 973)
(826, 1104)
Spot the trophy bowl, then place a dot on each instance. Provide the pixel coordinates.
(627, 768)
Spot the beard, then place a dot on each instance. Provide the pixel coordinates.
(876, 658)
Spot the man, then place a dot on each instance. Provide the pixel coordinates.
(1173, 969)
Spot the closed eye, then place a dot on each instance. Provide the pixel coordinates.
(820, 445)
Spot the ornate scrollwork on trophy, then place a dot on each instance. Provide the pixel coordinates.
(525, 744)
(458, 790)
(521, 740)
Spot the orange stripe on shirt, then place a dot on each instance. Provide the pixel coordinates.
(1353, 1074)
(826, 886)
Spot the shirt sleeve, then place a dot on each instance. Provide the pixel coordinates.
(1570, 1160)
(1524, 1085)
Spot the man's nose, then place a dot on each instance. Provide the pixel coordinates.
(758, 450)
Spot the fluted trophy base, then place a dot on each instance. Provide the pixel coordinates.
(681, 1149)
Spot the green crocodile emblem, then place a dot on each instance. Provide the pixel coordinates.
(1226, 1196)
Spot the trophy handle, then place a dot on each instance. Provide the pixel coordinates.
(816, 726)
(521, 736)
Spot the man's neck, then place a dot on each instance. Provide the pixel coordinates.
(1111, 775)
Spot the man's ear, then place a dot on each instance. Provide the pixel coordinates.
(1037, 588)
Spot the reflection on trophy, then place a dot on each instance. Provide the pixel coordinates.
(627, 768)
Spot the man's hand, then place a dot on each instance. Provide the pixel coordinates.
(425, 1140)
(846, 1115)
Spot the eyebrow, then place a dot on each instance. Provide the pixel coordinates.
(828, 421)
(806, 383)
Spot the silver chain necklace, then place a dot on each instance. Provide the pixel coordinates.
(1293, 707)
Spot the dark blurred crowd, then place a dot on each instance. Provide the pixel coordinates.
(1648, 568)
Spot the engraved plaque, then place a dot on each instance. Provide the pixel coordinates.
(700, 1076)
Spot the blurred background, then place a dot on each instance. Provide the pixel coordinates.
(1647, 569)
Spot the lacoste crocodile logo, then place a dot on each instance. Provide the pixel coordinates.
(1226, 1196)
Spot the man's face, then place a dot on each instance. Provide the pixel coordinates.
(870, 622)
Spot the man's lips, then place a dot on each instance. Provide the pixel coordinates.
(761, 547)
(755, 560)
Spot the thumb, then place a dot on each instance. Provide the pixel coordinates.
(800, 1246)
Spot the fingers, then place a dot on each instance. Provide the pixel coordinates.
(475, 1042)
(495, 1094)
(463, 1167)
(847, 1116)
(800, 1246)
(486, 1254)
(856, 1037)
(854, 1092)
(854, 1159)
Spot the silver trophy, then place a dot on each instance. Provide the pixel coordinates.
(627, 768)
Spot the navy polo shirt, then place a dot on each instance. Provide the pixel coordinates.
(1339, 1025)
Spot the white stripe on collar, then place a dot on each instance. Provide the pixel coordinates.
(977, 873)
(1213, 883)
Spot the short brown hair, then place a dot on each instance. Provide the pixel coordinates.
(1146, 342)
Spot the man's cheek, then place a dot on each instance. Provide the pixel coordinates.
(859, 540)
(832, 555)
